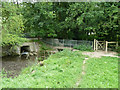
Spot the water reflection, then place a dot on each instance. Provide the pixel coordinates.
(14, 64)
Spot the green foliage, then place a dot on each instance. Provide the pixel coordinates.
(10, 39)
(118, 49)
(40, 59)
(39, 19)
(12, 24)
(44, 46)
(93, 18)
(81, 20)
(83, 47)
(101, 73)
(59, 72)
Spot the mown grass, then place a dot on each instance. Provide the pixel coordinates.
(101, 73)
(60, 70)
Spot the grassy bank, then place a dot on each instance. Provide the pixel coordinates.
(101, 73)
(59, 71)
(63, 70)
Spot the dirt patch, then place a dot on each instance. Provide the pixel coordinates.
(99, 54)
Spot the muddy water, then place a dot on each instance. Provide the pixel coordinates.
(13, 65)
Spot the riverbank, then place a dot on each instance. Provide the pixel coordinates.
(64, 69)
(13, 64)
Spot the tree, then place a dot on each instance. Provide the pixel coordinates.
(12, 24)
(39, 19)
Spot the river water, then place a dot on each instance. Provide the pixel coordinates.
(13, 65)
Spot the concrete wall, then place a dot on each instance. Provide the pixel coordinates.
(16, 50)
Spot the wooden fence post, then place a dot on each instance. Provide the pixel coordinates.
(94, 44)
(104, 44)
(106, 47)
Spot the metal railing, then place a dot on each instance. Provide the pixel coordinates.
(67, 43)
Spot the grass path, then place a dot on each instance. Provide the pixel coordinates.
(85, 67)
(82, 74)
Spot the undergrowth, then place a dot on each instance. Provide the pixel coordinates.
(83, 47)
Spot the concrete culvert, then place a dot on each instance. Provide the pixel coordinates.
(25, 49)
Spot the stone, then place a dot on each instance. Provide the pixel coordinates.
(31, 54)
(35, 53)
(41, 63)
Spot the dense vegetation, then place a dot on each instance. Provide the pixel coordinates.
(83, 20)
(12, 24)
(63, 70)
(83, 47)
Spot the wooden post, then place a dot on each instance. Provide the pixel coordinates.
(106, 47)
(104, 44)
(94, 44)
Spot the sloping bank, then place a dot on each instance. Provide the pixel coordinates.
(60, 70)
(63, 70)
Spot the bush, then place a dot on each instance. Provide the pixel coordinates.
(118, 49)
(83, 47)
(40, 59)
(44, 46)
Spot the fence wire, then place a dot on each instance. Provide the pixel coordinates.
(67, 43)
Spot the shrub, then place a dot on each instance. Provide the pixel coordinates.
(83, 47)
(118, 49)
(44, 46)
(40, 59)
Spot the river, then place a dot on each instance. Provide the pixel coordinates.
(13, 65)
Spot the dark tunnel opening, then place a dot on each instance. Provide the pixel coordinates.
(25, 49)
